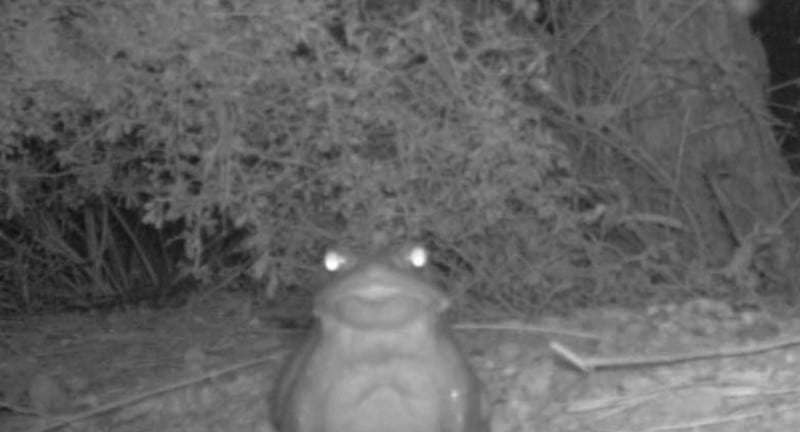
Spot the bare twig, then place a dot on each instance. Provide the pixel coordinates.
(592, 363)
(529, 328)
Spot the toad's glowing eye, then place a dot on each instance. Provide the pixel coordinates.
(334, 261)
(417, 256)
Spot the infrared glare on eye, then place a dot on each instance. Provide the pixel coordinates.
(334, 261)
(418, 256)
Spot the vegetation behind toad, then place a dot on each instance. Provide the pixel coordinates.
(552, 154)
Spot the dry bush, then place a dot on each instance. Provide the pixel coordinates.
(309, 123)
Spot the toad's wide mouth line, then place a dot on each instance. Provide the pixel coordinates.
(379, 294)
(380, 284)
(377, 291)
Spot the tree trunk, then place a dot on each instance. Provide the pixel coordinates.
(687, 80)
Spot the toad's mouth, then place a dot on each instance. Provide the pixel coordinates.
(381, 305)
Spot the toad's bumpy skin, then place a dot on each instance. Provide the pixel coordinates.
(381, 357)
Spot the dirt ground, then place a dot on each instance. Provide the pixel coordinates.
(699, 366)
